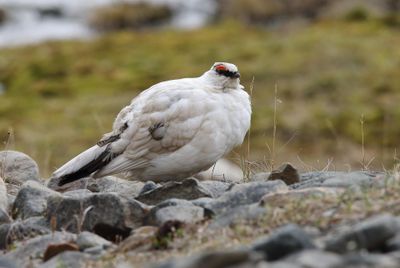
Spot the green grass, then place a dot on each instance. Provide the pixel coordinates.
(62, 96)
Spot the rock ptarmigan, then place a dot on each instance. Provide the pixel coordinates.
(170, 131)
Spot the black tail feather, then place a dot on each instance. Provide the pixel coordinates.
(103, 159)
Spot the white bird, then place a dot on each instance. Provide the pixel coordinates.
(170, 131)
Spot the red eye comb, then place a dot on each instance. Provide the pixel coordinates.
(220, 67)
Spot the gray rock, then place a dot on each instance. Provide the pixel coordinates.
(87, 240)
(313, 258)
(111, 184)
(244, 194)
(96, 250)
(70, 259)
(4, 218)
(148, 186)
(52, 183)
(19, 231)
(237, 215)
(286, 173)
(32, 200)
(216, 188)
(283, 242)
(106, 214)
(341, 179)
(188, 189)
(17, 167)
(393, 244)
(26, 252)
(365, 259)
(174, 210)
(371, 234)
(7, 263)
(219, 259)
(261, 176)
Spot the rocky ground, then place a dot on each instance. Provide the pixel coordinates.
(281, 219)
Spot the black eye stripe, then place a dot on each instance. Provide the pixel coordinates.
(226, 73)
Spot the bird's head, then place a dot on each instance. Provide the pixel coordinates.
(224, 74)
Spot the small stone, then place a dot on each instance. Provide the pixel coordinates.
(244, 194)
(17, 167)
(280, 198)
(96, 250)
(216, 188)
(19, 231)
(261, 176)
(284, 241)
(106, 214)
(371, 234)
(111, 184)
(32, 200)
(70, 259)
(218, 259)
(286, 173)
(188, 189)
(313, 258)
(340, 179)
(52, 183)
(148, 186)
(88, 240)
(33, 249)
(174, 210)
(7, 263)
(365, 259)
(241, 214)
(55, 249)
(140, 239)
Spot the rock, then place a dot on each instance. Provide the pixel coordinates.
(110, 184)
(17, 167)
(28, 251)
(7, 263)
(32, 200)
(340, 179)
(87, 240)
(312, 258)
(370, 234)
(244, 194)
(224, 170)
(19, 231)
(216, 188)
(140, 239)
(393, 244)
(219, 259)
(237, 215)
(75, 185)
(286, 173)
(277, 199)
(365, 259)
(284, 241)
(105, 214)
(55, 249)
(70, 259)
(261, 176)
(4, 218)
(174, 210)
(148, 186)
(188, 189)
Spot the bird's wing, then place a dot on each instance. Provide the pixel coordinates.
(161, 122)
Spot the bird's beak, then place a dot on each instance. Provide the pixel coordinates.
(236, 75)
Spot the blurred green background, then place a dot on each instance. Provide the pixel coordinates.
(336, 68)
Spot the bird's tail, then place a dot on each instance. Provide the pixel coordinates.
(83, 165)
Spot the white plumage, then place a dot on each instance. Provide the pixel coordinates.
(172, 130)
